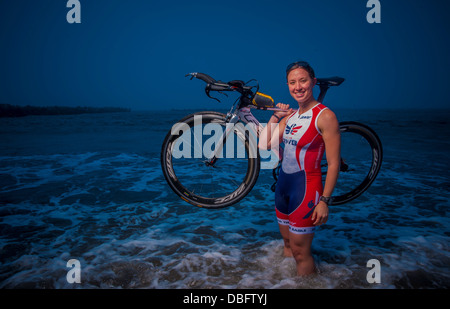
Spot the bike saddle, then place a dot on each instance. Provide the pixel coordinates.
(330, 81)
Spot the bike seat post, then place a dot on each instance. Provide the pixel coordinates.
(323, 92)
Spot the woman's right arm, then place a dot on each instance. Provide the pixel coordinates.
(272, 134)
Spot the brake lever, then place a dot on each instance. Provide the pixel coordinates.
(191, 74)
(207, 90)
(223, 93)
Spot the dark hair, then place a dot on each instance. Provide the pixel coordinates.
(300, 64)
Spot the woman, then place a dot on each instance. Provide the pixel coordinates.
(301, 201)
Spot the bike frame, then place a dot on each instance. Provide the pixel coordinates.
(245, 115)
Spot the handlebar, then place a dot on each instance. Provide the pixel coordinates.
(248, 96)
(214, 85)
(204, 77)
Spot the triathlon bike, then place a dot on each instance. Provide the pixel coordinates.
(211, 159)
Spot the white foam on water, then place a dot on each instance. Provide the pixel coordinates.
(117, 216)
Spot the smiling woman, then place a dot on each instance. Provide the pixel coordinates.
(301, 202)
(301, 80)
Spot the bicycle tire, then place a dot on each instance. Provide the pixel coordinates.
(376, 148)
(182, 187)
(366, 135)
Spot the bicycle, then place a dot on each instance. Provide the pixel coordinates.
(220, 177)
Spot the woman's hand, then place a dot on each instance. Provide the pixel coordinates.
(285, 110)
(320, 214)
(272, 134)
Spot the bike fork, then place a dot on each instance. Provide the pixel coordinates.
(231, 120)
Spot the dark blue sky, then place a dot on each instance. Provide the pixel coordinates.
(135, 53)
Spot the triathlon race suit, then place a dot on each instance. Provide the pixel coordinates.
(299, 186)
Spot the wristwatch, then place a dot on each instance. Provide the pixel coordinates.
(325, 199)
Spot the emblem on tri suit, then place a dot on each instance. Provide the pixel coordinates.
(292, 129)
(312, 207)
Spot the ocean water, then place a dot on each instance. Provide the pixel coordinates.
(90, 187)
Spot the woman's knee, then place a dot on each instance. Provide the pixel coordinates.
(300, 253)
(301, 246)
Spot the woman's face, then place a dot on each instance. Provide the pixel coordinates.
(301, 85)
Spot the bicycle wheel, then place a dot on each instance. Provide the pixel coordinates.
(208, 162)
(361, 157)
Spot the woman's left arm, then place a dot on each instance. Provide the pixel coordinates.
(329, 127)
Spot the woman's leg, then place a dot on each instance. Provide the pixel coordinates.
(300, 245)
(284, 230)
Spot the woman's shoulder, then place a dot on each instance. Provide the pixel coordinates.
(327, 119)
(326, 113)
